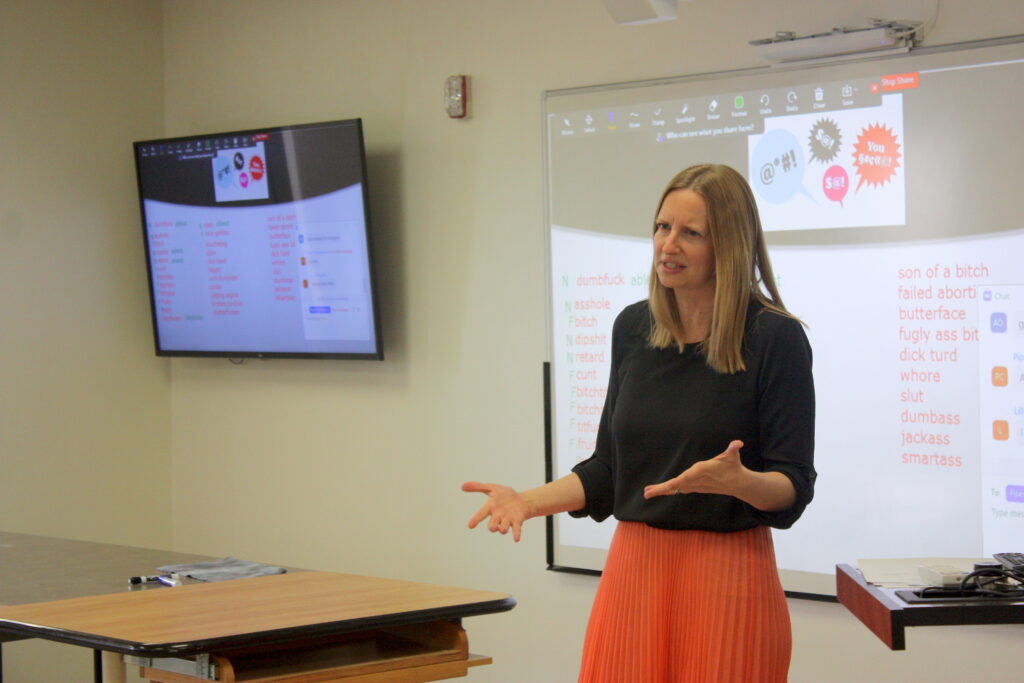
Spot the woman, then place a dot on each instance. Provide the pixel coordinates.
(705, 442)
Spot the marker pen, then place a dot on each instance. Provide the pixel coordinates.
(172, 580)
(135, 580)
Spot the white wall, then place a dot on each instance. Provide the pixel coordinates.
(355, 466)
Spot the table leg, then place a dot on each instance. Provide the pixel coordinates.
(113, 667)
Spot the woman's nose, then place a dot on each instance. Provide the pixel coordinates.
(671, 243)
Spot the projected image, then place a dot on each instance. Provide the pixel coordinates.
(238, 269)
(595, 278)
(335, 301)
(842, 169)
(1001, 417)
(240, 174)
(893, 220)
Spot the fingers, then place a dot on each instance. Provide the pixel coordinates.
(501, 526)
(483, 512)
(480, 515)
(717, 475)
(503, 518)
(506, 525)
(731, 451)
(665, 488)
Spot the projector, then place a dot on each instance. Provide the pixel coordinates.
(786, 47)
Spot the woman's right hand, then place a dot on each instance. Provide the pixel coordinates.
(504, 506)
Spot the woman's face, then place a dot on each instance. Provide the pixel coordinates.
(684, 259)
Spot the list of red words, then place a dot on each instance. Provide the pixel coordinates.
(174, 251)
(166, 258)
(933, 329)
(586, 350)
(587, 314)
(225, 297)
(281, 234)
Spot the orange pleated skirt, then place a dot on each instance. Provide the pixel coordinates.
(688, 607)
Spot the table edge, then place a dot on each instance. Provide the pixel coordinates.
(275, 636)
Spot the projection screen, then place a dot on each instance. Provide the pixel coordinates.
(888, 191)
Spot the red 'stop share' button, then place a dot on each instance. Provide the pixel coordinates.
(900, 81)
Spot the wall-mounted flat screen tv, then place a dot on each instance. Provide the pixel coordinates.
(258, 243)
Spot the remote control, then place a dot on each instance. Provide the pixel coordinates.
(1014, 562)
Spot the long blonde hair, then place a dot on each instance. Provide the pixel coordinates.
(742, 267)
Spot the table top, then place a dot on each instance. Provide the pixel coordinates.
(887, 615)
(77, 592)
(200, 618)
(41, 568)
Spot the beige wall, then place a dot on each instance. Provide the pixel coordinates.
(355, 466)
(85, 427)
(85, 436)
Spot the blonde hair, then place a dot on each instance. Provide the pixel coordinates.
(742, 268)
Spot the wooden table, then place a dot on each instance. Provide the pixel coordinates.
(887, 615)
(298, 627)
(41, 568)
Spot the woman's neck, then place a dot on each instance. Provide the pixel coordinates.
(695, 318)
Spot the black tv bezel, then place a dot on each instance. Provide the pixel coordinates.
(377, 354)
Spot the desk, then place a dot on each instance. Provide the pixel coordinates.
(886, 615)
(302, 626)
(41, 568)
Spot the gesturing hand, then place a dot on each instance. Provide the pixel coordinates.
(504, 506)
(721, 474)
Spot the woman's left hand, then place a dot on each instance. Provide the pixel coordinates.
(722, 474)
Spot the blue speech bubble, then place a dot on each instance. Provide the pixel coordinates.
(223, 173)
(777, 167)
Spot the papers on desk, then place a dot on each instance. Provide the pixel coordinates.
(221, 570)
(905, 572)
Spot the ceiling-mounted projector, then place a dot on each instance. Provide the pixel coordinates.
(840, 42)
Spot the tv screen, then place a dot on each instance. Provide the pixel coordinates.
(258, 243)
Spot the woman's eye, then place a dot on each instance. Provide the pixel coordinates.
(661, 226)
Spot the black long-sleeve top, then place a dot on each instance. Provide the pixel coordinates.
(666, 410)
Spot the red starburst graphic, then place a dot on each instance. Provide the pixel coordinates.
(256, 167)
(876, 155)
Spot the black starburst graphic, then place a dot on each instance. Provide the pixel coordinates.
(825, 140)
